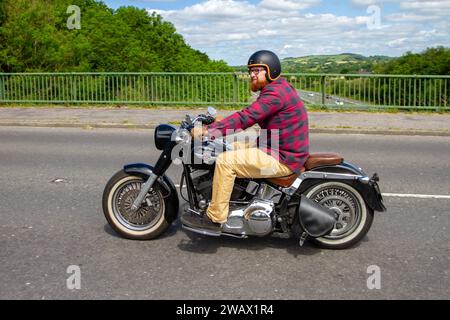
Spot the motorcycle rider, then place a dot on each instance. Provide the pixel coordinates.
(280, 112)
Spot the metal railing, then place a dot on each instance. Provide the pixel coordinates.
(372, 91)
(357, 91)
(124, 88)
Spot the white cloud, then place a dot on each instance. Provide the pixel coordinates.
(237, 36)
(365, 3)
(396, 42)
(438, 7)
(232, 29)
(212, 10)
(410, 17)
(266, 32)
(286, 5)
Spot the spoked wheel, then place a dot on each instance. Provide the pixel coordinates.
(148, 222)
(354, 217)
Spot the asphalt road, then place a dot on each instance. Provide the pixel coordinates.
(47, 226)
(313, 97)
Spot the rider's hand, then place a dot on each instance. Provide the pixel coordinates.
(218, 118)
(198, 132)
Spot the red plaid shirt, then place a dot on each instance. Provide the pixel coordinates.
(280, 111)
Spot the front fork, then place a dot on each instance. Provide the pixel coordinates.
(144, 190)
(161, 166)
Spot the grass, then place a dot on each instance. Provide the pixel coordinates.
(103, 106)
(310, 107)
(394, 110)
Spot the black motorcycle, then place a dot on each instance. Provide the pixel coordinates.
(332, 202)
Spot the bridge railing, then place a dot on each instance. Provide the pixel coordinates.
(125, 88)
(354, 91)
(374, 91)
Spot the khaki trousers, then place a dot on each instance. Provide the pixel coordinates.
(243, 161)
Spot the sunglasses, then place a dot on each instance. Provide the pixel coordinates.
(256, 71)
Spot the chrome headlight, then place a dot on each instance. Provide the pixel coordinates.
(183, 136)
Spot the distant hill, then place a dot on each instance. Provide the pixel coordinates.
(341, 63)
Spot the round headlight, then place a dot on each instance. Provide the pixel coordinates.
(183, 136)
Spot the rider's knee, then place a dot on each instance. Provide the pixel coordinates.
(224, 159)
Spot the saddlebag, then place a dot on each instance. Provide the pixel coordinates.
(315, 219)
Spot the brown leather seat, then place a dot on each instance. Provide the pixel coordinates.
(315, 160)
(284, 181)
(319, 159)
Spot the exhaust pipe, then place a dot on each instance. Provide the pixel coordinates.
(315, 219)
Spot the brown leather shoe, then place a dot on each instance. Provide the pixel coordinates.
(199, 222)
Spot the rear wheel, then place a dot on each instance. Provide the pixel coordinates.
(149, 221)
(354, 216)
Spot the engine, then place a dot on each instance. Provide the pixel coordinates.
(203, 181)
(252, 204)
(256, 218)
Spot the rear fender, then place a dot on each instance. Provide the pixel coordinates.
(350, 174)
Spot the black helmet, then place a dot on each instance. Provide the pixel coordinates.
(266, 59)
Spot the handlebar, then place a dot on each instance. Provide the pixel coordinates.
(189, 123)
(205, 119)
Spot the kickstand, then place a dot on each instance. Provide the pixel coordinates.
(302, 239)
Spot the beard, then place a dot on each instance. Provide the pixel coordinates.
(257, 85)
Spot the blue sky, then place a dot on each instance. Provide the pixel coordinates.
(336, 6)
(232, 29)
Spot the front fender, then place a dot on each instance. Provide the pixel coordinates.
(145, 170)
(139, 168)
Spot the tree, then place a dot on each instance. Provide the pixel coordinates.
(432, 61)
(34, 37)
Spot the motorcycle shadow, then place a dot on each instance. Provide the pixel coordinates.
(171, 231)
(202, 244)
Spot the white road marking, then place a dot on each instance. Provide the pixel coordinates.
(420, 196)
(399, 195)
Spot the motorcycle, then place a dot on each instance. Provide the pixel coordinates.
(331, 202)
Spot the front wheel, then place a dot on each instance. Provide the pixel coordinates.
(354, 216)
(149, 221)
